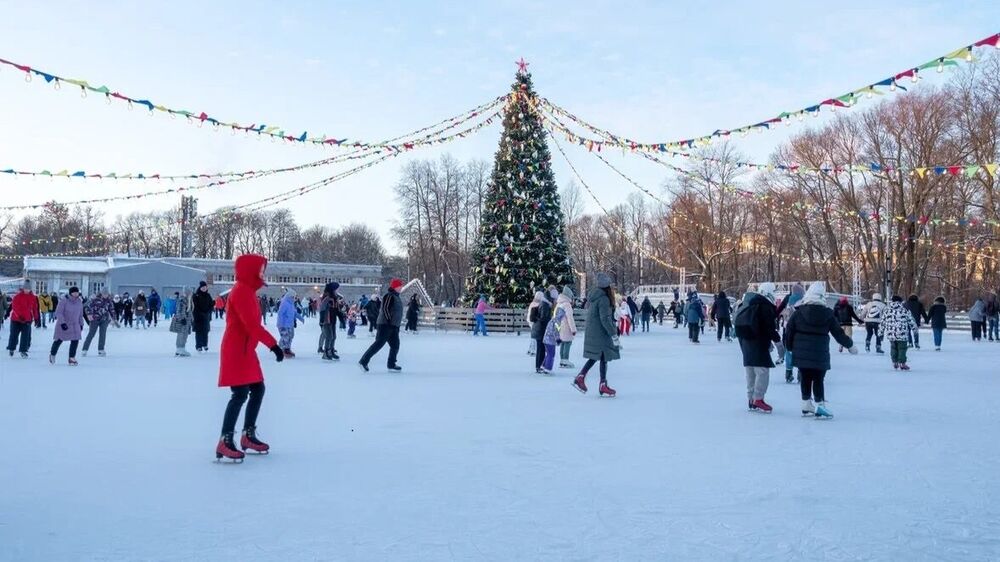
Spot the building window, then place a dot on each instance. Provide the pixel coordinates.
(41, 287)
(70, 283)
(96, 287)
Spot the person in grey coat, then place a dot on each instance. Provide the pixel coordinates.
(539, 317)
(977, 316)
(69, 325)
(600, 341)
(182, 322)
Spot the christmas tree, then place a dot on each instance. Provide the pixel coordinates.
(522, 241)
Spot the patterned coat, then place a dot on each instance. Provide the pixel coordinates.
(183, 319)
(99, 309)
(896, 322)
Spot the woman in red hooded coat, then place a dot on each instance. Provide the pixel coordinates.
(239, 367)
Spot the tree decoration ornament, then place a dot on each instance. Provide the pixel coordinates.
(522, 208)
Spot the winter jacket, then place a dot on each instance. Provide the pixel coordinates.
(203, 304)
(24, 308)
(661, 310)
(845, 315)
(978, 311)
(372, 309)
(721, 309)
(238, 363)
(220, 303)
(482, 306)
(632, 307)
(154, 302)
(873, 312)
(44, 303)
(807, 336)
(182, 321)
(99, 309)
(916, 309)
(757, 350)
(623, 311)
(992, 307)
(391, 311)
(140, 305)
(896, 322)
(936, 316)
(540, 319)
(287, 315)
(567, 327)
(695, 311)
(69, 311)
(412, 310)
(598, 337)
(552, 331)
(646, 309)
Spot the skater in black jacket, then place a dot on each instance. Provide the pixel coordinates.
(807, 336)
(722, 314)
(845, 315)
(390, 317)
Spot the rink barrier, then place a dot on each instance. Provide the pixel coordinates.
(501, 321)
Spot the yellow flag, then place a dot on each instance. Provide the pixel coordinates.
(921, 172)
(991, 168)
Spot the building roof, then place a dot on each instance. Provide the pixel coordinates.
(69, 264)
(91, 264)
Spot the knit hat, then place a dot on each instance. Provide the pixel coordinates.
(876, 296)
(74, 290)
(26, 285)
(766, 290)
(396, 284)
(202, 284)
(567, 292)
(603, 281)
(539, 296)
(897, 298)
(815, 293)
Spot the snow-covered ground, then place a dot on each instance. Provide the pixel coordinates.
(469, 455)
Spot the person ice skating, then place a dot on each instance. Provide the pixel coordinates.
(239, 368)
(567, 326)
(695, 316)
(916, 309)
(896, 325)
(722, 313)
(372, 310)
(661, 311)
(99, 312)
(220, 307)
(353, 313)
(624, 316)
(3, 309)
(645, 311)
(181, 323)
(202, 305)
(871, 313)
(633, 309)
(44, 308)
(68, 325)
(389, 318)
(23, 313)
(600, 341)
(807, 335)
(287, 321)
(154, 307)
(677, 309)
(141, 308)
(977, 316)
(784, 310)
(756, 327)
(936, 317)
(845, 315)
(412, 313)
(329, 316)
(127, 310)
(539, 315)
(992, 313)
(481, 307)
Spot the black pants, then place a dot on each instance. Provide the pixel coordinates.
(201, 339)
(384, 334)
(693, 330)
(977, 330)
(72, 347)
(371, 326)
(240, 393)
(723, 323)
(645, 323)
(871, 329)
(539, 353)
(590, 363)
(811, 384)
(20, 330)
(154, 315)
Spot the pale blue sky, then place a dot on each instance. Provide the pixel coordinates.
(371, 70)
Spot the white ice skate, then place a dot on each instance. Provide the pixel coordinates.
(808, 408)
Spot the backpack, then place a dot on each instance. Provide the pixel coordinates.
(533, 315)
(744, 323)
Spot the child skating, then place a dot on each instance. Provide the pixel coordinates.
(896, 325)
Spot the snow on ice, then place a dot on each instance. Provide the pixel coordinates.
(469, 455)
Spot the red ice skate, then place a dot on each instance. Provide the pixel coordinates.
(580, 383)
(226, 448)
(762, 406)
(606, 390)
(250, 443)
(904, 367)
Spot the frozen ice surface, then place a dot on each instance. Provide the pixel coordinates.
(469, 455)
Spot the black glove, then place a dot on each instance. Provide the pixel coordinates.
(64, 326)
(279, 355)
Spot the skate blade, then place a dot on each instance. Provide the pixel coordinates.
(808, 415)
(258, 453)
(829, 417)
(227, 460)
(580, 390)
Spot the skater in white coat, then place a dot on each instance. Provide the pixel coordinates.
(567, 326)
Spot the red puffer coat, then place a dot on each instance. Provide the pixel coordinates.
(24, 308)
(238, 363)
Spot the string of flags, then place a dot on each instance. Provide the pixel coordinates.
(436, 129)
(201, 117)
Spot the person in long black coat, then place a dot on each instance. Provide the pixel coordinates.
(540, 315)
(203, 305)
(807, 336)
(722, 313)
(756, 345)
(412, 313)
